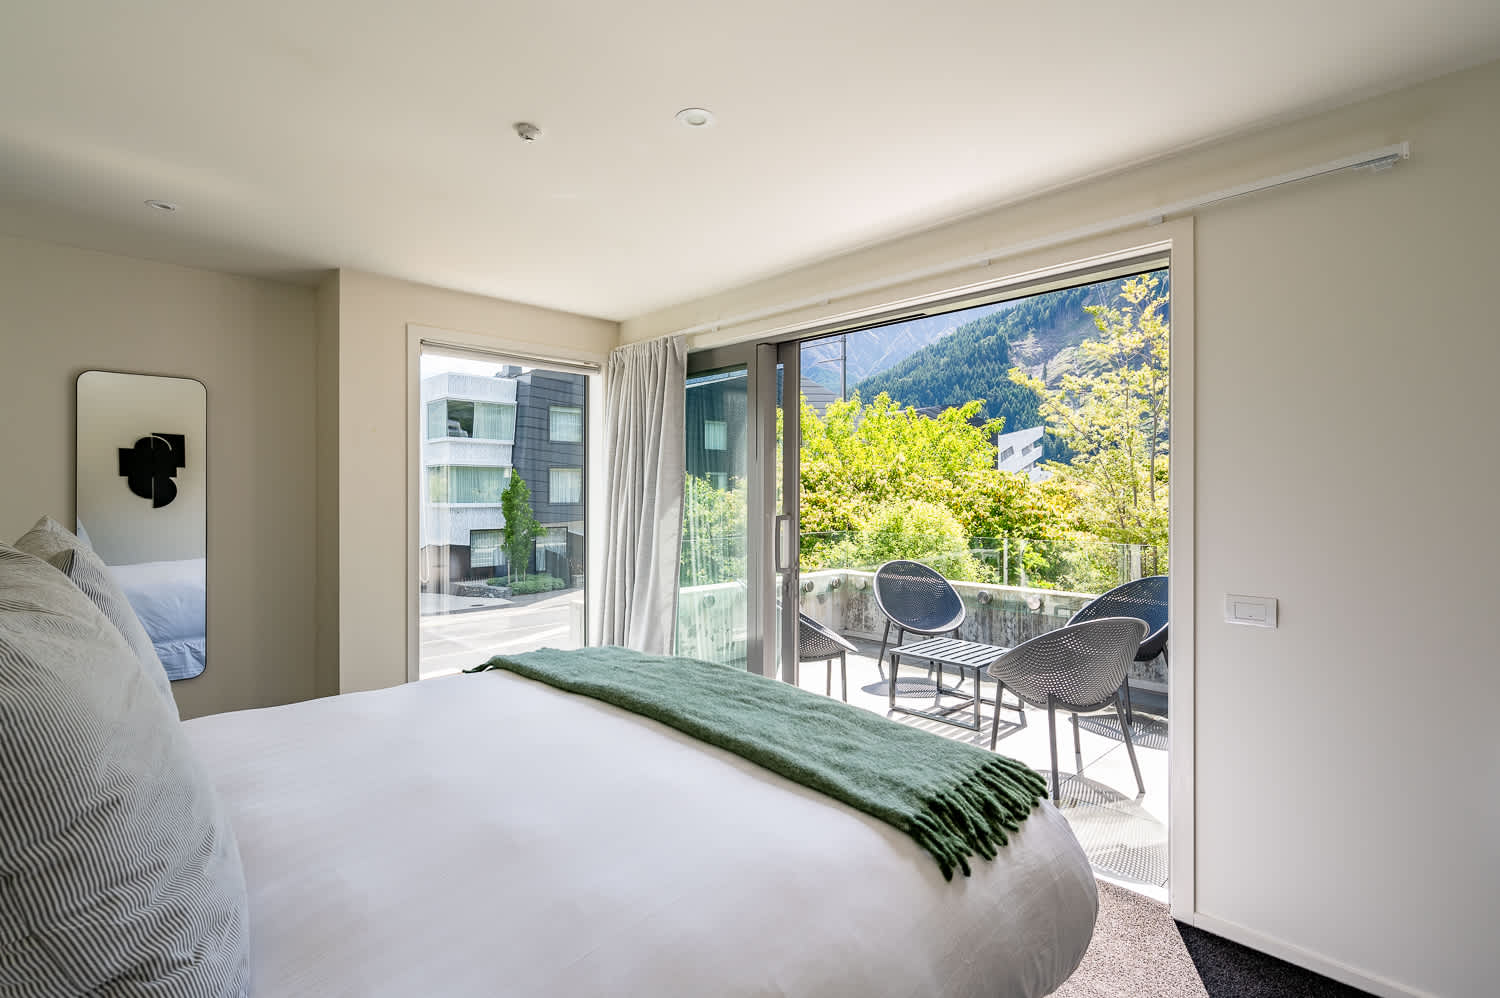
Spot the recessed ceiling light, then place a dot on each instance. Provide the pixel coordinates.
(695, 117)
(162, 205)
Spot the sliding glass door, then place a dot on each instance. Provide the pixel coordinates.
(738, 568)
(501, 478)
(712, 620)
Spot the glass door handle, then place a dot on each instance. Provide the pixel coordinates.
(783, 543)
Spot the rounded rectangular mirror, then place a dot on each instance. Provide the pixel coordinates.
(143, 502)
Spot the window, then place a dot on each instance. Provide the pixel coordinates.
(484, 548)
(715, 434)
(494, 421)
(1007, 453)
(565, 425)
(448, 483)
(477, 420)
(554, 540)
(482, 420)
(1026, 450)
(565, 485)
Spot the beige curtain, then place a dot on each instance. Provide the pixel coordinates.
(645, 387)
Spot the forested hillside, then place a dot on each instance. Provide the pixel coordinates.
(869, 351)
(974, 361)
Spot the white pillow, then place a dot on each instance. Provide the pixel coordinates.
(50, 541)
(119, 872)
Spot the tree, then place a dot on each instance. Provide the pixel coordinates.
(713, 532)
(913, 530)
(521, 526)
(865, 466)
(859, 456)
(1112, 412)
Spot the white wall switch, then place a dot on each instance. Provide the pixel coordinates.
(1254, 611)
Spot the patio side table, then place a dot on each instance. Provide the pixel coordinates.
(970, 657)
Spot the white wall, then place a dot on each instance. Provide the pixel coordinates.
(367, 634)
(251, 343)
(1347, 776)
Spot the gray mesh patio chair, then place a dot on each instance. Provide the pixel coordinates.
(816, 643)
(917, 600)
(1145, 599)
(1078, 668)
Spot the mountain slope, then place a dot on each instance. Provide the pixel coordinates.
(974, 361)
(870, 351)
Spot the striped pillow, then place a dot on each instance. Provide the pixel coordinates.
(119, 873)
(52, 541)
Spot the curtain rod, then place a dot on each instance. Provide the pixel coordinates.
(1374, 160)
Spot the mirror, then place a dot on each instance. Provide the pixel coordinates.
(143, 501)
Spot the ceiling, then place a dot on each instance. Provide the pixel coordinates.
(301, 135)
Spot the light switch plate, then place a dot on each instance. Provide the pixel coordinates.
(1252, 611)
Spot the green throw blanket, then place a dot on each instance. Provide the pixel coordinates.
(954, 799)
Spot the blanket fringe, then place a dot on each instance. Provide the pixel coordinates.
(975, 816)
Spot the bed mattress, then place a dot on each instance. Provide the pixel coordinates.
(486, 834)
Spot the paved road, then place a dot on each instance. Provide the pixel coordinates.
(455, 641)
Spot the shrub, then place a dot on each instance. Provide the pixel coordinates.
(532, 584)
(916, 531)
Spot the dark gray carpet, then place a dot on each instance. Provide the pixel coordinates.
(1139, 951)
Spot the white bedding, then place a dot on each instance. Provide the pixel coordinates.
(489, 835)
(170, 598)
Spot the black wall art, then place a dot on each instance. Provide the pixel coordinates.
(150, 465)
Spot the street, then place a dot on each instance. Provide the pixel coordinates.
(455, 641)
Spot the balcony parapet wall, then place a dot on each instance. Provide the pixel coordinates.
(711, 618)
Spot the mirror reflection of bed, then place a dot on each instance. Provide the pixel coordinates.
(142, 503)
(170, 599)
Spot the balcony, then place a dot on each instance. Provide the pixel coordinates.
(1123, 833)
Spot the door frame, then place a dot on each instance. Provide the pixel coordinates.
(759, 361)
(1028, 273)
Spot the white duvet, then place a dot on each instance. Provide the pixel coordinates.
(489, 835)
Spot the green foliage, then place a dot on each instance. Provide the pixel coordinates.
(1113, 414)
(713, 532)
(860, 456)
(880, 481)
(532, 584)
(993, 503)
(1074, 561)
(972, 362)
(521, 526)
(914, 530)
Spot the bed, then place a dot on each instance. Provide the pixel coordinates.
(471, 835)
(487, 834)
(169, 597)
